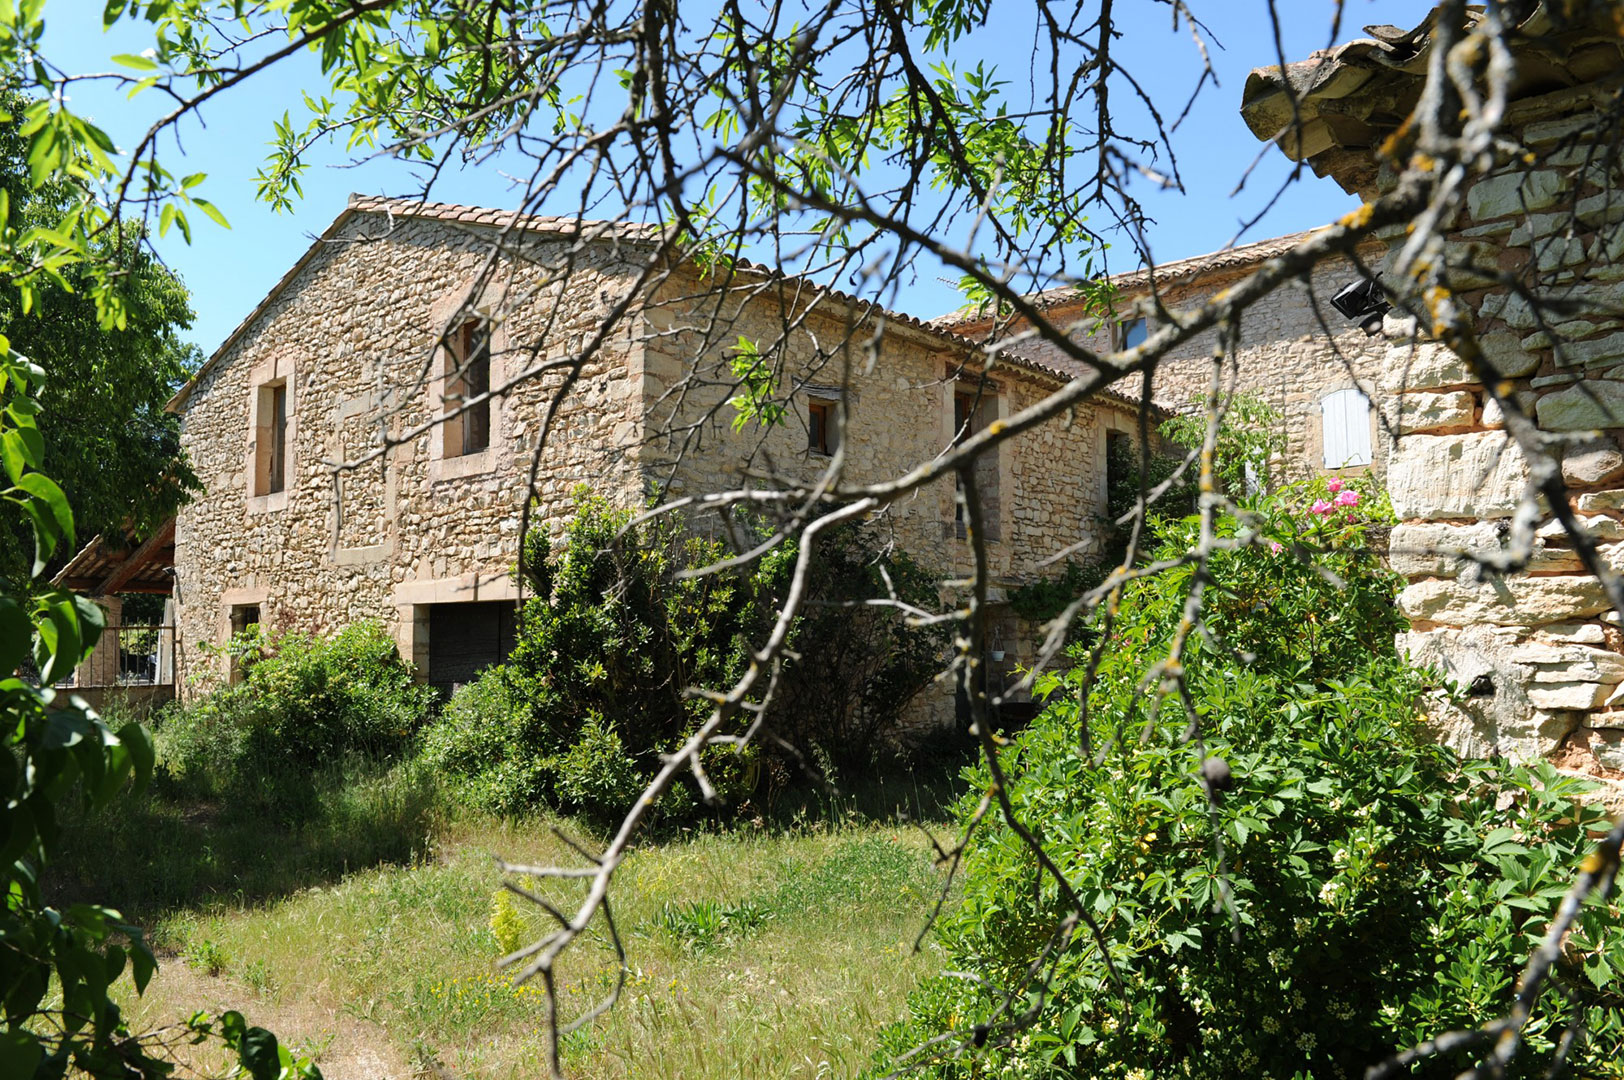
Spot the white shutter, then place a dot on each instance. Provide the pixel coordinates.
(1345, 423)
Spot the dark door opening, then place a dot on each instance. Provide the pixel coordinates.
(465, 639)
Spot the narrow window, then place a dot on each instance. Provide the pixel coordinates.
(972, 412)
(1132, 332)
(1345, 426)
(820, 427)
(468, 377)
(1121, 488)
(271, 438)
(277, 480)
(964, 408)
(244, 617)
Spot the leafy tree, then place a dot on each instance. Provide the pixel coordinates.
(57, 966)
(112, 447)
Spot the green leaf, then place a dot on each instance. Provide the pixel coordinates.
(260, 1054)
(139, 63)
(213, 211)
(20, 1053)
(46, 491)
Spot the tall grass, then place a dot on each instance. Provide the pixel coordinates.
(798, 989)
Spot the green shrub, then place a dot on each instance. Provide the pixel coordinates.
(595, 771)
(482, 737)
(1372, 891)
(306, 703)
(614, 636)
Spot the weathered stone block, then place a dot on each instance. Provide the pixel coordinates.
(1595, 462)
(1511, 358)
(1429, 412)
(1572, 330)
(1473, 475)
(1504, 602)
(1573, 695)
(1442, 549)
(1425, 365)
(1592, 501)
(1497, 718)
(1514, 193)
(1438, 549)
(1598, 527)
(1587, 406)
(1584, 633)
(1597, 352)
(1494, 417)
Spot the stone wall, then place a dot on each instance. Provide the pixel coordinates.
(1539, 652)
(354, 333)
(1044, 492)
(1295, 348)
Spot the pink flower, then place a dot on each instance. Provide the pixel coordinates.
(1347, 498)
(1276, 547)
(1320, 507)
(1335, 485)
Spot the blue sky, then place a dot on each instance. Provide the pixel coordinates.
(230, 271)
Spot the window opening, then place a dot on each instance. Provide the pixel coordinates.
(279, 440)
(1133, 332)
(271, 438)
(469, 377)
(820, 427)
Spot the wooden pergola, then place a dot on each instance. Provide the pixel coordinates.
(106, 567)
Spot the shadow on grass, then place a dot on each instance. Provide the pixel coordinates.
(171, 847)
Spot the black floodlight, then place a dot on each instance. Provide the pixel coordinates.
(1362, 300)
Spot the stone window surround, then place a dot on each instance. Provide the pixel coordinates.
(996, 394)
(412, 600)
(1113, 422)
(488, 307)
(398, 455)
(278, 368)
(231, 600)
(830, 396)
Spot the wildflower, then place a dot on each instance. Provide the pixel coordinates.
(1334, 486)
(1347, 498)
(1320, 507)
(1306, 1041)
(1275, 547)
(1270, 1024)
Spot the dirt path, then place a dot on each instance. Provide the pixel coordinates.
(346, 1046)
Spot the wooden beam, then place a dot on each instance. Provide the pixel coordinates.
(138, 558)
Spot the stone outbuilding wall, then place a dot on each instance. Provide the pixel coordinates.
(1295, 349)
(349, 347)
(1539, 653)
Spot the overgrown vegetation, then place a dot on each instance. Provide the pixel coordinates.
(1265, 891)
(617, 632)
(790, 948)
(58, 965)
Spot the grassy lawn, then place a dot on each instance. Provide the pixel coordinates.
(758, 952)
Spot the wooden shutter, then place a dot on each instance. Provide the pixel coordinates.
(1345, 426)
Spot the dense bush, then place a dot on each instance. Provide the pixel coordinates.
(305, 703)
(614, 636)
(1358, 890)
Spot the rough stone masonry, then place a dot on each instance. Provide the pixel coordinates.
(1539, 653)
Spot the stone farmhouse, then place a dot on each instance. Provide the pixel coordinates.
(363, 350)
(1540, 652)
(381, 331)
